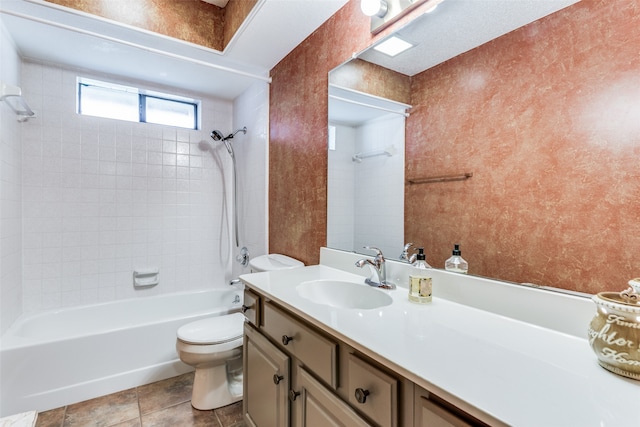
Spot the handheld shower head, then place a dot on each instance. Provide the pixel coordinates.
(217, 135)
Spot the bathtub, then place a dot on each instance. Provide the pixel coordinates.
(55, 358)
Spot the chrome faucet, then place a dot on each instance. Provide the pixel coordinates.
(404, 256)
(379, 268)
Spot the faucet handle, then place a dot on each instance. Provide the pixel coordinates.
(405, 252)
(378, 251)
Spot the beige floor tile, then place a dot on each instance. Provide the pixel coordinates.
(52, 418)
(130, 423)
(103, 411)
(165, 393)
(230, 415)
(180, 415)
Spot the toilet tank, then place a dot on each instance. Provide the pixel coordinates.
(271, 262)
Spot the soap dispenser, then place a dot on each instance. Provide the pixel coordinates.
(456, 263)
(420, 280)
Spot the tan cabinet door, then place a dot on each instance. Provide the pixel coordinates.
(266, 382)
(322, 408)
(428, 414)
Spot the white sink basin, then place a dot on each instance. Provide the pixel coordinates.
(342, 294)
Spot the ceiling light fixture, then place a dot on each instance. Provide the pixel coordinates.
(374, 7)
(393, 46)
(386, 12)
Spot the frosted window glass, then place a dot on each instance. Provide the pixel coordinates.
(109, 103)
(169, 112)
(119, 102)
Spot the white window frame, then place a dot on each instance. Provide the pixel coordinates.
(142, 98)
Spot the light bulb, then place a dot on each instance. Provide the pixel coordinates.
(373, 7)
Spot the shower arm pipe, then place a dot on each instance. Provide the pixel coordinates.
(364, 104)
(137, 46)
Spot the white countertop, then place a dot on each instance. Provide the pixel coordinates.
(516, 372)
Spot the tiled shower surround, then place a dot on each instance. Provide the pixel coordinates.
(10, 192)
(104, 197)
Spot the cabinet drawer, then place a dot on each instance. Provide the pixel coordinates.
(251, 307)
(314, 350)
(373, 392)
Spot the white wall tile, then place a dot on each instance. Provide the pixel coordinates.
(135, 196)
(11, 151)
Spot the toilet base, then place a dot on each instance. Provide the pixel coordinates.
(211, 389)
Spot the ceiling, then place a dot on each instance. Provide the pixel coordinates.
(457, 26)
(51, 33)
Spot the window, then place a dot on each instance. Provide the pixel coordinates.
(113, 101)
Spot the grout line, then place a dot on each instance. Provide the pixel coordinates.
(139, 409)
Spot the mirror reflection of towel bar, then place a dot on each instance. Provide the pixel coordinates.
(388, 151)
(443, 178)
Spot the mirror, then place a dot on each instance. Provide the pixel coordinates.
(365, 200)
(534, 227)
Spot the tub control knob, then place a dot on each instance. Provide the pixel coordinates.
(277, 378)
(361, 395)
(286, 339)
(293, 395)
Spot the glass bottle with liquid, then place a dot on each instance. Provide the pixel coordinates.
(456, 263)
(420, 285)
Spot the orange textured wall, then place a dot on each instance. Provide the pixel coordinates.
(548, 120)
(194, 21)
(373, 79)
(298, 133)
(235, 13)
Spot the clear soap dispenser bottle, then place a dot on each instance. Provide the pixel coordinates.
(456, 263)
(420, 280)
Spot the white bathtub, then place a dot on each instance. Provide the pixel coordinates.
(52, 359)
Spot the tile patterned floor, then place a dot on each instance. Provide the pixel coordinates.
(164, 403)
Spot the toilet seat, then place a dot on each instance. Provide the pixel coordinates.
(213, 330)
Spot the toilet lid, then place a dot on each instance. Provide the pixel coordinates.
(212, 330)
(272, 262)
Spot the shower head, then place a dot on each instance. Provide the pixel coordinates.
(217, 135)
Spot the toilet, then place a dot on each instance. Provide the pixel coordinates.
(272, 262)
(213, 346)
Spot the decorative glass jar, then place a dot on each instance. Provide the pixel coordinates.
(614, 333)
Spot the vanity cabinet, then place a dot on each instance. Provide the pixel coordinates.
(298, 375)
(266, 381)
(431, 411)
(319, 407)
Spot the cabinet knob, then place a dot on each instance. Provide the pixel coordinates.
(245, 308)
(277, 378)
(286, 339)
(361, 395)
(293, 395)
